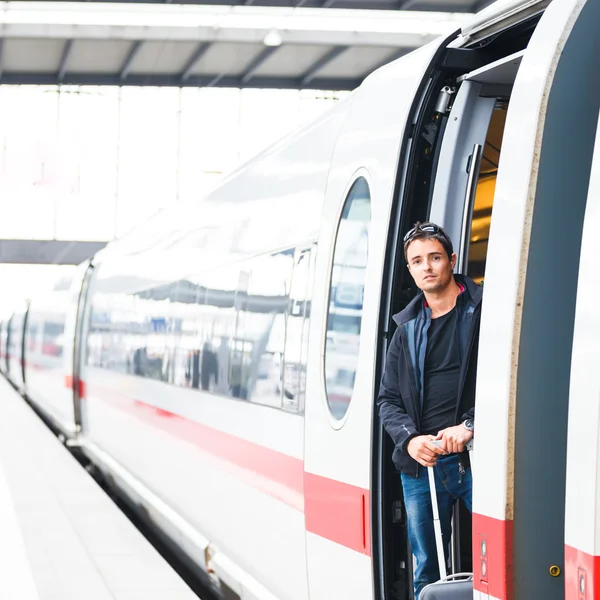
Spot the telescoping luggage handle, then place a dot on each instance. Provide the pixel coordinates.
(437, 527)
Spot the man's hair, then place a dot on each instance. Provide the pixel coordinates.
(428, 231)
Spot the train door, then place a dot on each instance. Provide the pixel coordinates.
(529, 302)
(582, 510)
(518, 137)
(344, 322)
(16, 347)
(530, 269)
(456, 189)
(79, 293)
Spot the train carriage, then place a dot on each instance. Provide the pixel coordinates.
(227, 353)
(49, 340)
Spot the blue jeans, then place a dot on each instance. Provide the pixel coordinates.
(450, 485)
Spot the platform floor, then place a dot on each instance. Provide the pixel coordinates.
(62, 537)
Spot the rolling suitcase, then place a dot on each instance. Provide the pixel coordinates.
(458, 586)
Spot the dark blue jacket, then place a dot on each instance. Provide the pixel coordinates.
(401, 393)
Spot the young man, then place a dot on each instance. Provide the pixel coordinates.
(428, 391)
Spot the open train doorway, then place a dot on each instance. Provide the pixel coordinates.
(459, 195)
(484, 194)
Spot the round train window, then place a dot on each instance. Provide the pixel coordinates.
(346, 293)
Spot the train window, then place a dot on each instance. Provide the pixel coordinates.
(239, 330)
(128, 331)
(346, 298)
(31, 332)
(257, 364)
(150, 358)
(52, 340)
(240, 347)
(184, 334)
(214, 326)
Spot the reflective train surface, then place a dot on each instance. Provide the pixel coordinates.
(219, 364)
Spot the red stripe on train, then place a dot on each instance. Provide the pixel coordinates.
(334, 510)
(582, 575)
(69, 384)
(493, 556)
(280, 468)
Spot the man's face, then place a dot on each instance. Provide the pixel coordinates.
(429, 265)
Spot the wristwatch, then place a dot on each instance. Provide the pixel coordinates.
(468, 423)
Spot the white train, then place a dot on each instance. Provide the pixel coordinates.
(220, 363)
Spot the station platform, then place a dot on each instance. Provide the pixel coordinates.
(62, 537)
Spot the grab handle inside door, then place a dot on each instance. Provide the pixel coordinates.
(473, 170)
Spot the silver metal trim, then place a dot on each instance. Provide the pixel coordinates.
(500, 15)
(467, 218)
(488, 73)
(195, 545)
(443, 102)
(138, 489)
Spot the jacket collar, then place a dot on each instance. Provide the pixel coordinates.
(461, 287)
(472, 293)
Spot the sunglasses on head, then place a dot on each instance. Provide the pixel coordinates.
(424, 228)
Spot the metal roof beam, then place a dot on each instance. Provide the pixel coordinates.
(328, 3)
(143, 79)
(1, 57)
(256, 64)
(194, 60)
(406, 4)
(64, 60)
(480, 5)
(321, 63)
(215, 80)
(126, 67)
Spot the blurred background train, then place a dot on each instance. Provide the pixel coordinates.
(219, 364)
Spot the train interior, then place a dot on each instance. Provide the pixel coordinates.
(458, 191)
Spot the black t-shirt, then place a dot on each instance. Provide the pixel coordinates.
(442, 371)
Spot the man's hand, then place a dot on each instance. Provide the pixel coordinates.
(423, 451)
(454, 439)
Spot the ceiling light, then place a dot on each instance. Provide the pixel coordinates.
(273, 38)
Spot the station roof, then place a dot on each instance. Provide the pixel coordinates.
(262, 43)
(435, 5)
